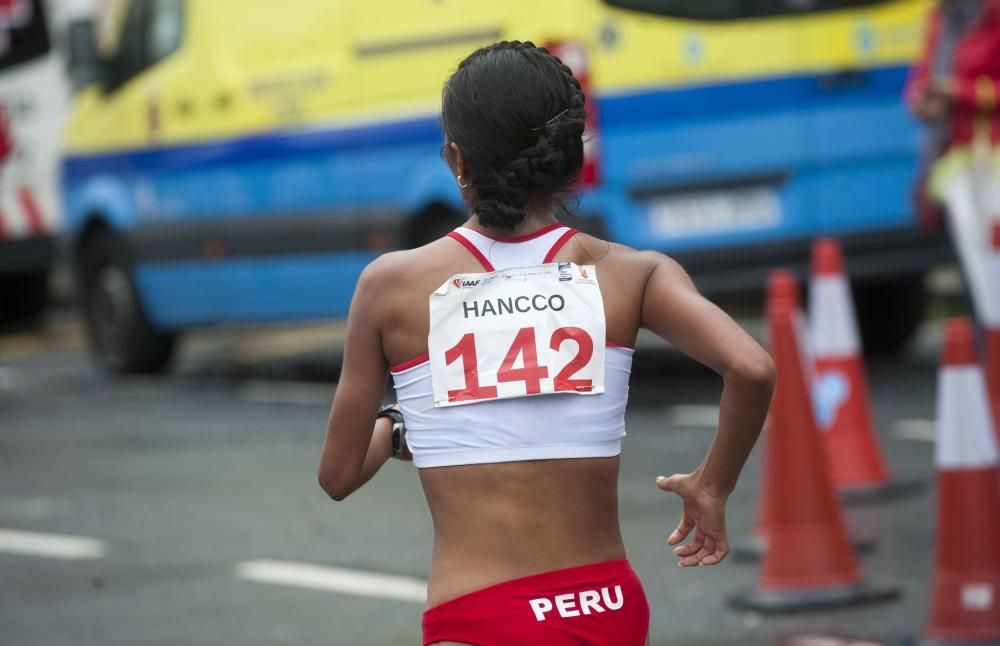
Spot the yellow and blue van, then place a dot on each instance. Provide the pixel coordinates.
(239, 161)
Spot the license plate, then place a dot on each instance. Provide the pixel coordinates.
(708, 212)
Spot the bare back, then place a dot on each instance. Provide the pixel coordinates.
(496, 522)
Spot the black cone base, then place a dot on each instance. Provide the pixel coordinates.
(774, 601)
(894, 489)
(752, 548)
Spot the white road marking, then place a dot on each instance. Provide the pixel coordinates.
(53, 546)
(287, 392)
(693, 415)
(334, 579)
(917, 430)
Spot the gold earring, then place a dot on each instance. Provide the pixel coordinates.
(460, 182)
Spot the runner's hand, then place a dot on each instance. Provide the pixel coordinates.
(705, 514)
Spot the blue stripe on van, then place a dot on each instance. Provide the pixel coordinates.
(798, 92)
(263, 146)
(784, 93)
(310, 286)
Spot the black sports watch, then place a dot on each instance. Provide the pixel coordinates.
(399, 448)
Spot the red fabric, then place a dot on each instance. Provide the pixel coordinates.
(455, 235)
(563, 239)
(526, 237)
(406, 365)
(602, 603)
(977, 60)
(6, 141)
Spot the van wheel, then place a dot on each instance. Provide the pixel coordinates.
(121, 337)
(23, 296)
(889, 313)
(430, 224)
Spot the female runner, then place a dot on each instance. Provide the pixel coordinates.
(511, 362)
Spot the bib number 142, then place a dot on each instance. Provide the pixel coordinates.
(525, 348)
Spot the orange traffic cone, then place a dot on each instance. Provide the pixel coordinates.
(840, 390)
(965, 595)
(782, 286)
(808, 563)
(992, 328)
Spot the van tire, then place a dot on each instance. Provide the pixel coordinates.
(122, 339)
(890, 312)
(23, 296)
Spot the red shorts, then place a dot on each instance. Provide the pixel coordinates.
(601, 603)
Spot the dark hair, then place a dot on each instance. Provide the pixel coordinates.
(517, 114)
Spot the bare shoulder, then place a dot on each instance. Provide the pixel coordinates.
(393, 266)
(618, 258)
(397, 283)
(663, 267)
(389, 265)
(380, 285)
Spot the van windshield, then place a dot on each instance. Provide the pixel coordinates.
(734, 9)
(23, 33)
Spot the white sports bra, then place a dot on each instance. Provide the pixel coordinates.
(546, 426)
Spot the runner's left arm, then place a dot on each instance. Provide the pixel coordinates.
(673, 309)
(355, 446)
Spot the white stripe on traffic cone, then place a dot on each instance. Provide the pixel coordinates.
(840, 390)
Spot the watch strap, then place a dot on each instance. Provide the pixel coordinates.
(398, 436)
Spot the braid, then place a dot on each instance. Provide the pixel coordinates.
(548, 163)
(578, 100)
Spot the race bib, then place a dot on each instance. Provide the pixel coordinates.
(517, 332)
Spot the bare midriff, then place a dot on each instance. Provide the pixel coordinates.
(497, 522)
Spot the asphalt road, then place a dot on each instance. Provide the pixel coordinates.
(183, 497)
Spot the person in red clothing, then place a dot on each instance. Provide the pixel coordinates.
(956, 83)
(955, 89)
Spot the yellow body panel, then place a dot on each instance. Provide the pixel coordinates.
(244, 67)
(655, 51)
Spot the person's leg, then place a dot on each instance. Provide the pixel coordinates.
(956, 187)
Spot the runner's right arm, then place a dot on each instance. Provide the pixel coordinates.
(345, 463)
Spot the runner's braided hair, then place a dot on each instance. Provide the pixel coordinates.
(517, 114)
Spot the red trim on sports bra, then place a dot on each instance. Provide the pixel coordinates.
(527, 236)
(563, 239)
(406, 365)
(617, 345)
(455, 235)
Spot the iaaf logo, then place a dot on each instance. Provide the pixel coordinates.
(462, 283)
